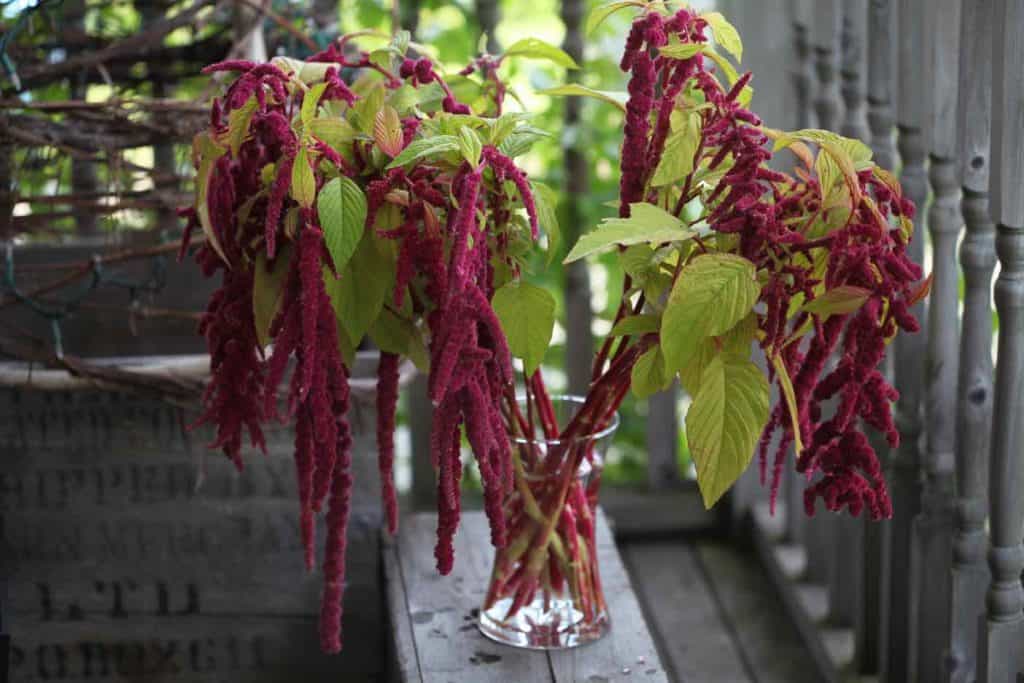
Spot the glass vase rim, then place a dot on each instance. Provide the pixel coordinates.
(607, 431)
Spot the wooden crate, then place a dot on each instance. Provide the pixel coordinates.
(134, 554)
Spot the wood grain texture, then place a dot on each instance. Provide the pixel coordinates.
(824, 40)
(441, 616)
(853, 37)
(768, 640)
(1008, 114)
(677, 596)
(974, 392)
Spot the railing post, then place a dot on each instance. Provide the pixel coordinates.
(933, 528)
(846, 585)
(803, 77)
(908, 350)
(824, 36)
(974, 392)
(872, 619)
(1001, 649)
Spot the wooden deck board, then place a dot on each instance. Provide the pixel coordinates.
(696, 643)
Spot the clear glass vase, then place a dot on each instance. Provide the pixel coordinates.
(545, 589)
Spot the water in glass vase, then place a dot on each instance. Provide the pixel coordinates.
(545, 589)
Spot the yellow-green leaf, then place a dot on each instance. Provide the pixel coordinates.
(238, 124)
(838, 301)
(267, 289)
(789, 395)
(726, 34)
(527, 315)
(648, 376)
(636, 325)
(303, 181)
(680, 149)
(576, 90)
(712, 294)
(310, 102)
(725, 421)
(206, 152)
(358, 295)
(535, 48)
(647, 224)
(547, 217)
(337, 133)
(470, 146)
(425, 148)
(681, 51)
(599, 14)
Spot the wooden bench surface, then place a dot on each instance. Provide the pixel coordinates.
(433, 617)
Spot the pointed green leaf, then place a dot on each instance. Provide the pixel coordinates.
(711, 295)
(547, 217)
(387, 131)
(426, 148)
(535, 48)
(527, 315)
(303, 181)
(681, 50)
(238, 124)
(725, 421)
(838, 301)
(648, 376)
(337, 133)
(599, 14)
(310, 102)
(358, 295)
(391, 333)
(470, 146)
(635, 325)
(341, 208)
(207, 152)
(267, 289)
(647, 224)
(576, 90)
(680, 149)
(726, 34)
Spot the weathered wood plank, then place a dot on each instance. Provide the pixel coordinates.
(678, 599)
(441, 615)
(768, 640)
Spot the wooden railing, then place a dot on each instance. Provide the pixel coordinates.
(912, 599)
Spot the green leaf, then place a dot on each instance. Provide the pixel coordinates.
(341, 207)
(470, 146)
(365, 110)
(635, 325)
(208, 152)
(358, 295)
(238, 124)
(387, 131)
(547, 216)
(724, 422)
(838, 301)
(535, 48)
(735, 342)
(337, 133)
(638, 261)
(303, 181)
(726, 34)
(680, 149)
(786, 385)
(681, 50)
(711, 295)
(393, 334)
(521, 140)
(728, 70)
(426, 148)
(648, 376)
(599, 14)
(576, 90)
(267, 289)
(647, 224)
(527, 315)
(310, 102)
